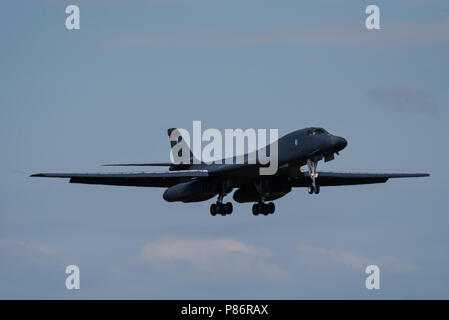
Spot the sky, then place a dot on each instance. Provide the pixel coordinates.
(73, 100)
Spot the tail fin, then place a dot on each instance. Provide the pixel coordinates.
(176, 138)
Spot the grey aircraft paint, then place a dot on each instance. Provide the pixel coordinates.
(200, 182)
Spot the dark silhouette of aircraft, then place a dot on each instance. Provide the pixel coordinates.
(193, 182)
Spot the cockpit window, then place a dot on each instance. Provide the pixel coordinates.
(316, 131)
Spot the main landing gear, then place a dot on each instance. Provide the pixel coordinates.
(263, 208)
(314, 187)
(220, 207)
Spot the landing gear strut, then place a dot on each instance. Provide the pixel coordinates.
(220, 207)
(263, 208)
(314, 187)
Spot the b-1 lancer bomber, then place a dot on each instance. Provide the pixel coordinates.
(200, 181)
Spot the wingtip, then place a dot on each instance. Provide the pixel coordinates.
(37, 175)
(424, 174)
(420, 175)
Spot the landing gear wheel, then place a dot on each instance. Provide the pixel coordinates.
(255, 209)
(213, 209)
(317, 189)
(221, 209)
(265, 209)
(271, 207)
(262, 208)
(227, 208)
(311, 189)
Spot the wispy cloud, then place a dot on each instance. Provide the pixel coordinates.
(211, 256)
(399, 33)
(316, 256)
(400, 98)
(34, 252)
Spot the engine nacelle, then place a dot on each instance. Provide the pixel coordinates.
(191, 191)
(272, 191)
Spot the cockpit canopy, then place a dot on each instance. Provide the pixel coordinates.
(316, 131)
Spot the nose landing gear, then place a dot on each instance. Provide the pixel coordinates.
(314, 187)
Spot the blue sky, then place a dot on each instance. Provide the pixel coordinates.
(73, 100)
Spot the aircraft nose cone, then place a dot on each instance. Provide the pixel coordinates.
(340, 143)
